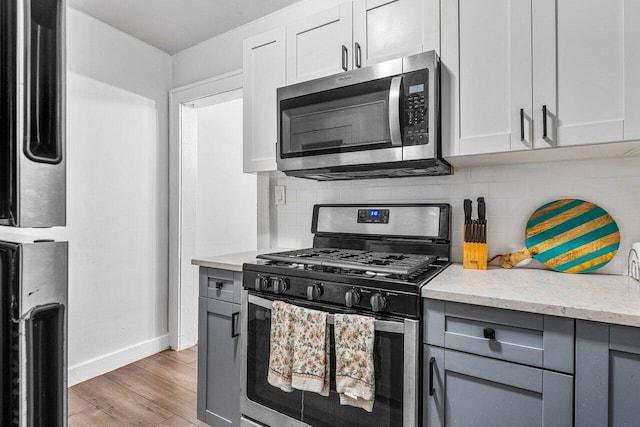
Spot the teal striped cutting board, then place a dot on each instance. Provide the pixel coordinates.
(569, 235)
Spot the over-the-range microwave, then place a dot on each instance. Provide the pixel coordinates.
(378, 121)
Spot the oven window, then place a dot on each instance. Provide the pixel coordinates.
(258, 389)
(339, 120)
(322, 411)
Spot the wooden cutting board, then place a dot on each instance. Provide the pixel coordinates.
(568, 235)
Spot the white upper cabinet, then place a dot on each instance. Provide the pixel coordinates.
(264, 72)
(388, 29)
(572, 66)
(632, 70)
(358, 34)
(486, 66)
(579, 71)
(319, 45)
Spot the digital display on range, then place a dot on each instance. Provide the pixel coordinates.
(373, 216)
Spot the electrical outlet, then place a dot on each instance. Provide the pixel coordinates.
(280, 195)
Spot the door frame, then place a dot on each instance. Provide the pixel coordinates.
(182, 101)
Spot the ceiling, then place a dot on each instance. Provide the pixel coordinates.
(174, 25)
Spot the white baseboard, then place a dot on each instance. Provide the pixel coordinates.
(111, 361)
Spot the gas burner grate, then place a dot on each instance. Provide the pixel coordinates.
(349, 259)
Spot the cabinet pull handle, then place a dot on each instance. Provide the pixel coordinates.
(345, 58)
(431, 388)
(544, 122)
(358, 55)
(219, 285)
(489, 333)
(234, 320)
(522, 125)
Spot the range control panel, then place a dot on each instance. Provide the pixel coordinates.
(373, 216)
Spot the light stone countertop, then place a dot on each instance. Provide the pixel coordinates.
(597, 297)
(232, 262)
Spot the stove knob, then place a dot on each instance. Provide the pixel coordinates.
(378, 302)
(261, 284)
(351, 298)
(314, 291)
(279, 285)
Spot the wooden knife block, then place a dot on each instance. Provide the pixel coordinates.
(474, 255)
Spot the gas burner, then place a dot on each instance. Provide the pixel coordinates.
(352, 259)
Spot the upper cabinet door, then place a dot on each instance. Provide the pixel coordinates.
(632, 70)
(264, 72)
(579, 70)
(388, 29)
(486, 75)
(320, 45)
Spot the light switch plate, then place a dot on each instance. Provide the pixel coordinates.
(280, 195)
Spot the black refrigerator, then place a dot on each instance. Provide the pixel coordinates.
(33, 321)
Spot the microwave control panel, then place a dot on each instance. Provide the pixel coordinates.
(415, 107)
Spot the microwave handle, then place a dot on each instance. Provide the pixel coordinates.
(394, 111)
(379, 325)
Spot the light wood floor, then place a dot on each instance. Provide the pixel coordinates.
(157, 391)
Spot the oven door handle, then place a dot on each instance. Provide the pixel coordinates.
(393, 327)
(394, 111)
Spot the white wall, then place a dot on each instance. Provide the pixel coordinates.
(117, 197)
(512, 194)
(226, 213)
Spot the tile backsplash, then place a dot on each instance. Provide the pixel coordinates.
(512, 193)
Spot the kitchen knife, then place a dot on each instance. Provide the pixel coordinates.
(467, 220)
(482, 220)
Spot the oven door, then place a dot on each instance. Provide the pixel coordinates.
(396, 366)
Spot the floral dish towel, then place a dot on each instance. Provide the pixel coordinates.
(283, 319)
(355, 372)
(311, 368)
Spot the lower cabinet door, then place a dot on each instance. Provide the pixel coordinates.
(461, 389)
(219, 361)
(607, 375)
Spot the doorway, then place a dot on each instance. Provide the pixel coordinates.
(213, 207)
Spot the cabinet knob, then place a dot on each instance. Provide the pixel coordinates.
(489, 333)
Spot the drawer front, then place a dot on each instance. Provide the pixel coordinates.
(223, 285)
(526, 338)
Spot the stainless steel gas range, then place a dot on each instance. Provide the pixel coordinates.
(366, 259)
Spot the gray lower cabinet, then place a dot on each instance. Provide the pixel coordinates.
(219, 353)
(607, 375)
(463, 389)
(486, 366)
